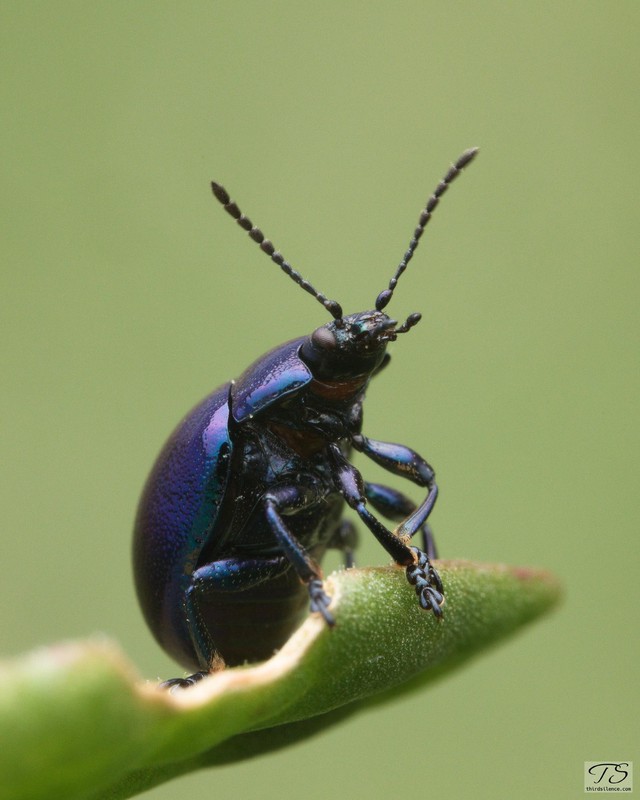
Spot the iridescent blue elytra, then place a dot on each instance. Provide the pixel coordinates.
(249, 491)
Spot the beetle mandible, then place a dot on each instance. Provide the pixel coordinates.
(249, 491)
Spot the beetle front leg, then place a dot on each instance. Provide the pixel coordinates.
(403, 461)
(291, 499)
(396, 506)
(420, 572)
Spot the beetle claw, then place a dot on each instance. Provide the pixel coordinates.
(423, 576)
(320, 601)
(183, 683)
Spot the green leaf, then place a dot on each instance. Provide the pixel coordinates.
(76, 722)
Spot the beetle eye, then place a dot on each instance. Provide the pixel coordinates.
(324, 339)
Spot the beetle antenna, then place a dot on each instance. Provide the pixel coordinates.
(220, 193)
(425, 215)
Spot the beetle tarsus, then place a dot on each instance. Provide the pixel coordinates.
(423, 576)
(320, 601)
(183, 683)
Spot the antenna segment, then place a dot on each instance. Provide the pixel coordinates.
(267, 247)
(426, 214)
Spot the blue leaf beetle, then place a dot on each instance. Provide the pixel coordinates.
(249, 491)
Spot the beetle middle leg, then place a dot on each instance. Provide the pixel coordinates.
(289, 499)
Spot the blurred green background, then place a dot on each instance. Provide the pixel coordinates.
(127, 295)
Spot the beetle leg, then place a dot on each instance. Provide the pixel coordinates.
(403, 461)
(236, 574)
(420, 572)
(351, 486)
(227, 575)
(426, 581)
(291, 499)
(345, 539)
(183, 683)
(396, 506)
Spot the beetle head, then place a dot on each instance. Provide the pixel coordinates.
(352, 346)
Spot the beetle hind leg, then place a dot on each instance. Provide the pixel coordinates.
(223, 577)
(183, 683)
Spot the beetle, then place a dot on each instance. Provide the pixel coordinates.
(249, 491)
